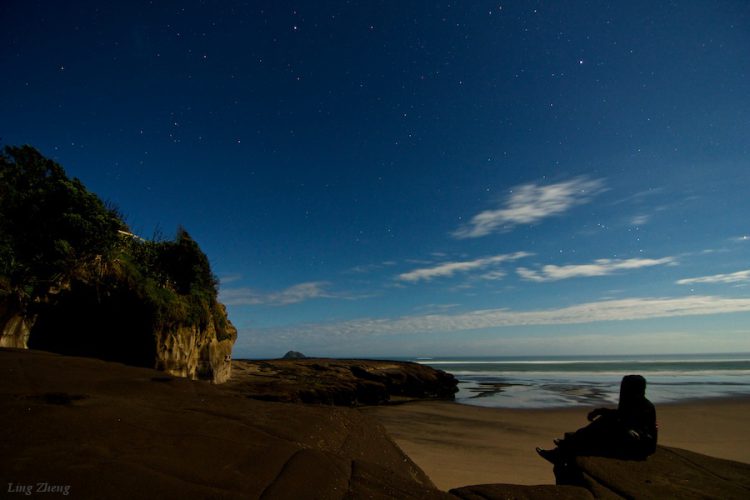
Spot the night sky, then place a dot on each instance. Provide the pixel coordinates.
(416, 178)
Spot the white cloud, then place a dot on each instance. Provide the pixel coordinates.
(292, 295)
(368, 268)
(229, 278)
(739, 276)
(494, 275)
(640, 197)
(450, 268)
(607, 310)
(640, 220)
(599, 267)
(741, 239)
(530, 203)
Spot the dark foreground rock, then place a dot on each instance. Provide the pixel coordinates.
(339, 382)
(669, 473)
(106, 430)
(98, 429)
(518, 492)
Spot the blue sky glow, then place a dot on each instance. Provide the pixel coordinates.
(416, 178)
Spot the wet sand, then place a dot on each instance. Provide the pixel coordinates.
(459, 444)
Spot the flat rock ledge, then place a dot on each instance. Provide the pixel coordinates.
(106, 430)
(668, 473)
(521, 492)
(341, 382)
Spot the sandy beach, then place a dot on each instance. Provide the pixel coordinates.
(458, 444)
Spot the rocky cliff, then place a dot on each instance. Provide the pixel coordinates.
(197, 353)
(15, 327)
(117, 323)
(192, 351)
(75, 280)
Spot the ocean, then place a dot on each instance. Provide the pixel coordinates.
(563, 381)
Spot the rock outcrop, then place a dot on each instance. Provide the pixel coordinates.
(340, 382)
(196, 352)
(15, 327)
(118, 325)
(521, 492)
(668, 473)
(293, 355)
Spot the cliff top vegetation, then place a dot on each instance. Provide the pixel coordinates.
(56, 235)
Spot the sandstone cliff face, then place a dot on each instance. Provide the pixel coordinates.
(75, 280)
(117, 328)
(196, 353)
(14, 326)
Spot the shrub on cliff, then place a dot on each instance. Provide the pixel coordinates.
(51, 227)
(174, 278)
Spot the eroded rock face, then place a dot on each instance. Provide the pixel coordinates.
(14, 330)
(117, 326)
(196, 353)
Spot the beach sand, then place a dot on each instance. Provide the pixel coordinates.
(458, 445)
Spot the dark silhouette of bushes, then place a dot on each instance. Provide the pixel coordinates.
(51, 227)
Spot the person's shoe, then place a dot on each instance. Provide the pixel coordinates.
(557, 441)
(552, 456)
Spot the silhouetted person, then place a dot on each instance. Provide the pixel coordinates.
(626, 432)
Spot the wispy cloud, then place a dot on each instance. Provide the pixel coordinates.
(497, 274)
(640, 197)
(292, 295)
(229, 278)
(530, 203)
(741, 239)
(640, 220)
(435, 307)
(368, 268)
(608, 310)
(599, 267)
(738, 277)
(450, 268)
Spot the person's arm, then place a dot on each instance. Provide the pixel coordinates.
(641, 427)
(599, 412)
